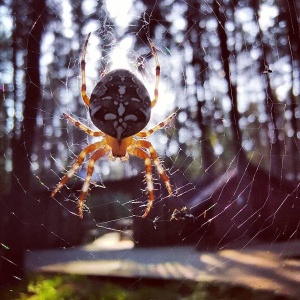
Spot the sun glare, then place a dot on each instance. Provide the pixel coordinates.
(119, 10)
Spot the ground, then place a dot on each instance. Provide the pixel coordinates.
(274, 267)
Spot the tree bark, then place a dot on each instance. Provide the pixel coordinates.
(271, 102)
(232, 89)
(290, 16)
(18, 202)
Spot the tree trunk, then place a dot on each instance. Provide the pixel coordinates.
(290, 16)
(232, 89)
(271, 102)
(18, 202)
(275, 150)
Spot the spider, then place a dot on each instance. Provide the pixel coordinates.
(120, 107)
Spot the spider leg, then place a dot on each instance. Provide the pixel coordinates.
(77, 164)
(157, 72)
(85, 97)
(97, 155)
(136, 150)
(161, 171)
(83, 127)
(145, 156)
(157, 127)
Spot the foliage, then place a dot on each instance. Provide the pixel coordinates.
(64, 287)
(75, 287)
(67, 287)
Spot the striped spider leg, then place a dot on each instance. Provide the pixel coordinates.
(138, 148)
(98, 147)
(162, 124)
(157, 72)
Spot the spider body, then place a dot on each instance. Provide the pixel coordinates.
(120, 107)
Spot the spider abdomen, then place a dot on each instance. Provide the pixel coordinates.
(120, 105)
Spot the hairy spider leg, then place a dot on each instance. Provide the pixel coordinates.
(85, 97)
(77, 164)
(157, 72)
(145, 156)
(162, 124)
(135, 149)
(83, 127)
(97, 155)
(161, 171)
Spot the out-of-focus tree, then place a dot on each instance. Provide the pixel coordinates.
(28, 32)
(230, 34)
(289, 27)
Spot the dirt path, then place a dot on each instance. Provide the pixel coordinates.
(273, 267)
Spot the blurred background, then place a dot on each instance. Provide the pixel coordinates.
(230, 68)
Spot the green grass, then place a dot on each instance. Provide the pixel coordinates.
(73, 287)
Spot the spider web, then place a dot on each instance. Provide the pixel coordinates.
(233, 199)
